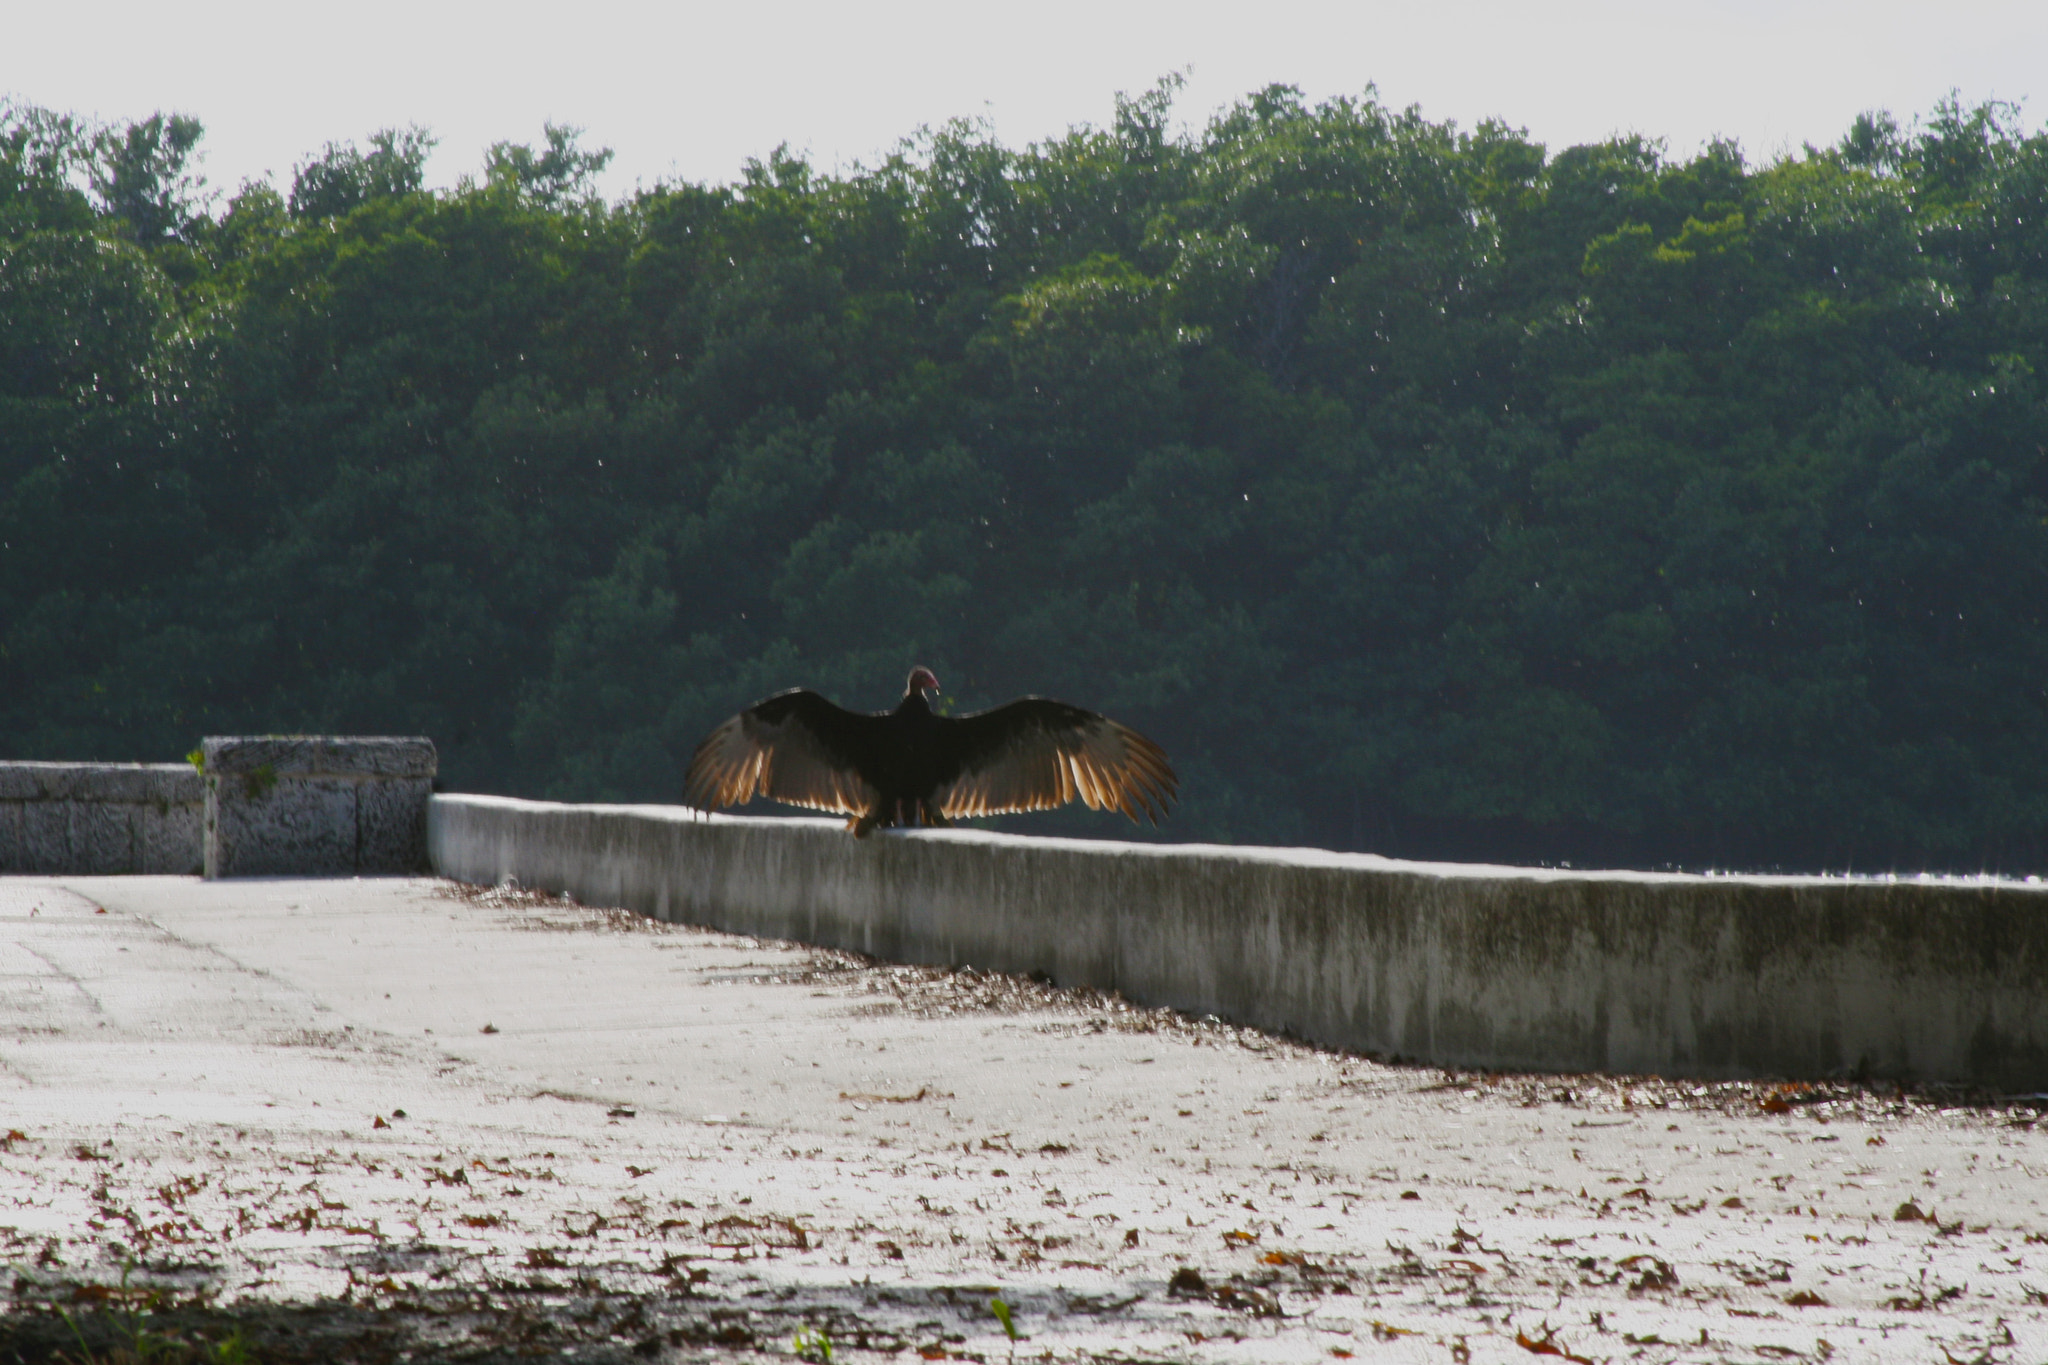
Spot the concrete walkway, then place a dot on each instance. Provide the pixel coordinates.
(490, 1124)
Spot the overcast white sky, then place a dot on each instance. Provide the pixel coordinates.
(686, 89)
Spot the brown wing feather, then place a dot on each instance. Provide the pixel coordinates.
(795, 747)
(1035, 754)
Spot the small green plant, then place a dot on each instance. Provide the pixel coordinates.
(234, 1349)
(813, 1344)
(1002, 1312)
(84, 1351)
(139, 1342)
(140, 1346)
(259, 783)
(197, 758)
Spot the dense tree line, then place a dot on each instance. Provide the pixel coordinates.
(1421, 490)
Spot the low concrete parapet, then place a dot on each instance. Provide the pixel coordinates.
(100, 818)
(1492, 967)
(316, 805)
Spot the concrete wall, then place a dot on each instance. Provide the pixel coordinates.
(100, 818)
(1465, 966)
(316, 805)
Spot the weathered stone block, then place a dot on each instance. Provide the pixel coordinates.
(102, 838)
(12, 857)
(100, 817)
(170, 838)
(352, 756)
(391, 824)
(312, 805)
(46, 836)
(117, 783)
(304, 827)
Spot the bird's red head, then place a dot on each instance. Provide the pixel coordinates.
(921, 680)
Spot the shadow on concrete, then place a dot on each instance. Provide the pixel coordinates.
(577, 1317)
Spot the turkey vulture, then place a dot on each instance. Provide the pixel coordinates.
(911, 765)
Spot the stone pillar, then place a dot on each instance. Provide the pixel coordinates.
(316, 805)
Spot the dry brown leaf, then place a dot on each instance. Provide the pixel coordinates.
(1545, 1346)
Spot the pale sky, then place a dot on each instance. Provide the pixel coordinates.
(691, 90)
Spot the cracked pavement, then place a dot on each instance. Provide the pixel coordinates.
(391, 1118)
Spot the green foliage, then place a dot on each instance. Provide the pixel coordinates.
(42, 155)
(141, 174)
(260, 782)
(557, 176)
(1421, 489)
(342, 178)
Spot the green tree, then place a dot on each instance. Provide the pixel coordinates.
(343, 178)
(145, 177)
(558, 175)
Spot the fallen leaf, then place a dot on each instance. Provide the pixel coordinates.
(379, 1122)
(1910, 1212)
(1410, 1194)
(101, 1293)
(1235, 1238)
(1806, 1298)
(1544, 1346)
(1245, 1300)
(488, 1028)
(1657, 1274)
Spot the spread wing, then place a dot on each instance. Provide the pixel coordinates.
(795, 747)
(1034, 754)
